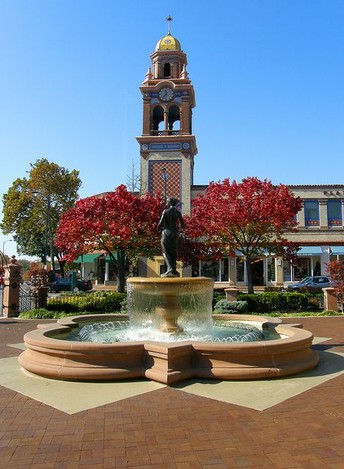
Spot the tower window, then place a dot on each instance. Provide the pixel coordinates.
(167, 70)
(174, 119)
(158, 118)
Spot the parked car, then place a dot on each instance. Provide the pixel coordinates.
(64, 284)
(319, 281)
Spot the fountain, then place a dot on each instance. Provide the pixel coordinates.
(169, 335)
(176, 351)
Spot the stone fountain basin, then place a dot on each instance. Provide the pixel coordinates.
(168, 363)
(169, 285)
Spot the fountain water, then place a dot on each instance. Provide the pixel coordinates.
(184, 343)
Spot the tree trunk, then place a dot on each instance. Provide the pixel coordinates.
(249, 276)
(121, 271)
(62, 266)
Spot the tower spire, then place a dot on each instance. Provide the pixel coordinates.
(169, 19)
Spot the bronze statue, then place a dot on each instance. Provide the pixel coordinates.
(168, 225)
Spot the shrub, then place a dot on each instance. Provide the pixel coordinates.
(41, 313)
(103, 302)
(230, 307)
(268, 302)
(63, 306)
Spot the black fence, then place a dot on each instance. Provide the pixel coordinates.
(27, 299)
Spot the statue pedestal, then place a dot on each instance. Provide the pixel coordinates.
(169, 313)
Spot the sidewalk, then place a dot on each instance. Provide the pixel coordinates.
(294, 422)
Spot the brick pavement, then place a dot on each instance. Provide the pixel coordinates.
(168, 428)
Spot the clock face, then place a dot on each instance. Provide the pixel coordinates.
(166, 94)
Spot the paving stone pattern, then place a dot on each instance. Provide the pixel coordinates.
(168, 428)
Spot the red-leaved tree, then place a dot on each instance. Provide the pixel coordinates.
(335, 270)
(117, 221)
(250, 217)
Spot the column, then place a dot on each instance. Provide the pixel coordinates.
(301, 217)
(325, 258)
(165, 121)
(330, 299)
(231, 271)
(279, 271)
(106, 278)
(11, 289)
(323, 214)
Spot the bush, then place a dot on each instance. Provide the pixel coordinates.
(230, 307)
(63, 306)
(103, 302)
(262, 303)
(41, 313)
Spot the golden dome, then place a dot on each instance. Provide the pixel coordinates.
(168, 42)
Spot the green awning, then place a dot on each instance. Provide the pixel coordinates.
(87, 258)
(107, 258)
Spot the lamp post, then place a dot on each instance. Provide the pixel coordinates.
(3, 245)
(164, 176)
(47, 231)
(48, 240)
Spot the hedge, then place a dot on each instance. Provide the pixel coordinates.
(269, 302)
(105, 302)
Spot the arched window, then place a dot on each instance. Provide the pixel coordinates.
(158, 119)
(174, 119)
(167, 70)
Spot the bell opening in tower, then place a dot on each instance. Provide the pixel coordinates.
(167, 70)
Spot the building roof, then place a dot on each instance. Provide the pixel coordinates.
(168, 42)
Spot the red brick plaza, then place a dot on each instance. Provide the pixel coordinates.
(294, 422)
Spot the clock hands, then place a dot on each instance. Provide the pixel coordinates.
(166, 94)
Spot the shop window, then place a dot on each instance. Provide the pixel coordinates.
(211, 269)
(286, 271)
(271, 269)
(224, 269)
(311, 213)
(196, 269)
(240, 269)
(334, 212)
(301, 268)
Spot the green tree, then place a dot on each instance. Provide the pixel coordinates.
(33, 206)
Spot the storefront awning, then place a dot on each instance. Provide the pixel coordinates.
(107, 258)
(309, 251)
(87, 258)
(337, 250)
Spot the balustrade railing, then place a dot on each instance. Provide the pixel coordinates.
(164, 132)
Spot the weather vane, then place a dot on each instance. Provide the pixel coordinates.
(169, 19)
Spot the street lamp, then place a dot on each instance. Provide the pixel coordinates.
(164, 176)
(3, 245)
(47, 231)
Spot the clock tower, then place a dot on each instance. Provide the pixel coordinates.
(167, 146)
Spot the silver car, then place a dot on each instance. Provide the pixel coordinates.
(319, 281)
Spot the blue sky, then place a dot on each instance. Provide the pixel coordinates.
(268, 77)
